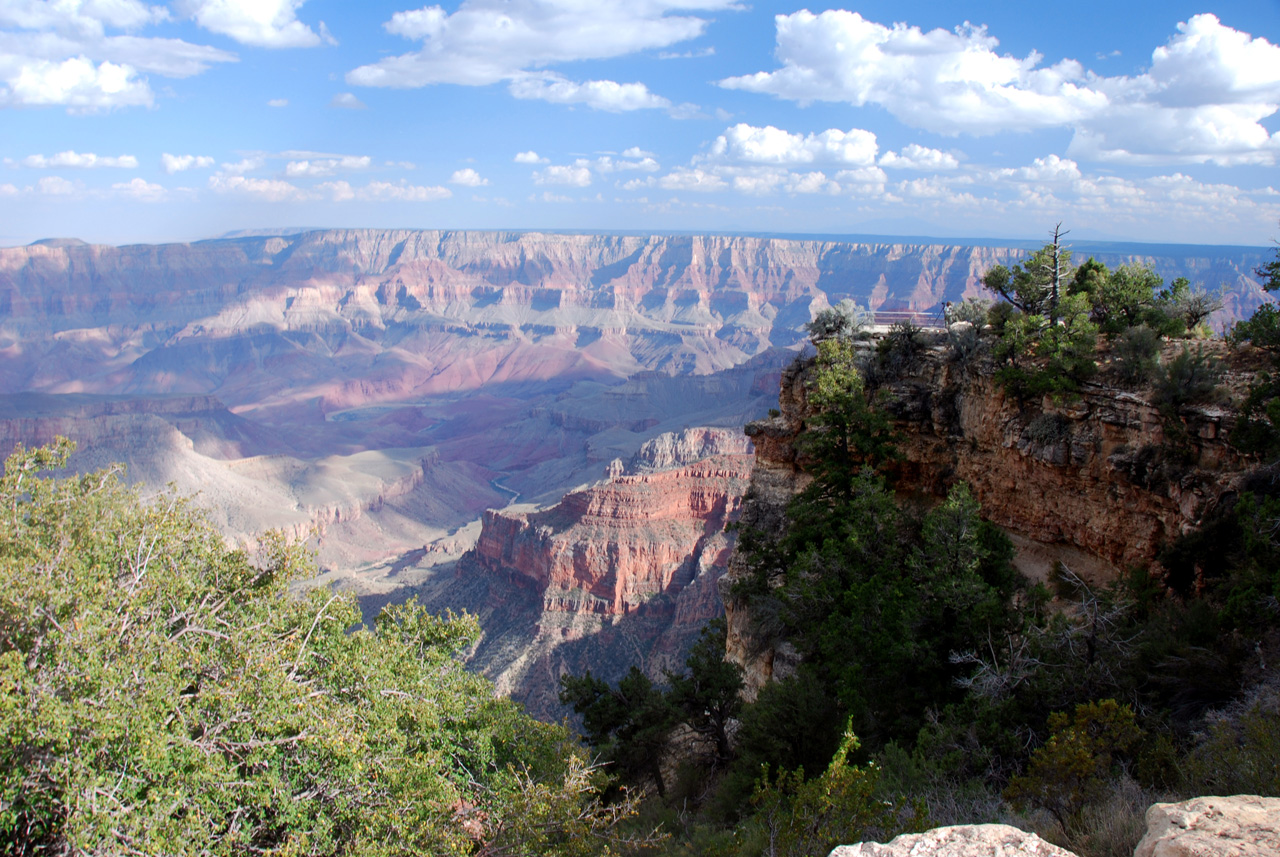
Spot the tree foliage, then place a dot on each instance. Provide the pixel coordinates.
(162, 693)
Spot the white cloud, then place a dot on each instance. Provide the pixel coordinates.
(529, 157)
(577, 175)
(402, 192)
(177, 163)
(548, 196)
(269, 190)
(326, 166)
(468, 178)
(339, 191)
(8, 190)
(78, 17)
(598, 94)
(770, 145)
(759, 182)
(347, 101)
(917, 157)
(261, 23)
(1203, 98)
(59, 53)
(86, 160)
(55, 186)
(636, 152)
(488, 41)
(246, 165)
(606, 164)
(77, 83)
(1050, 168)
(142, 191)
(692, 179)
(278, 102)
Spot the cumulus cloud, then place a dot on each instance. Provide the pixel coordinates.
(78, 83)
(178, 163)
(140, 190)
(770, 145)
(326, 166)
(86, 160)
(60, 53)
(245, 165)
(402, 192)
(1202, 99)
(530, 157)
(347, 101)
(268, 190)
(577, 175)
(917, 157)
(468, 178)
(55, 186)
(489, 41)
(692, 179)
(598, 94)
(278, 102)
(261, 23)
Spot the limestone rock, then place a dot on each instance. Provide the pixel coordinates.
(1239, 826)
(965, 840)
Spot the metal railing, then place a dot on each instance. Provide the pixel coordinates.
(929, 320)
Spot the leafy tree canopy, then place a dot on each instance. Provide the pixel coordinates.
(161, 693)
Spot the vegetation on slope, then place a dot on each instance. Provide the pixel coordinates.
(977, 696)
(161, 693)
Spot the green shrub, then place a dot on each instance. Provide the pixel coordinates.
(1137, 353)
(795, 817)
(1078, 761)
(161, 693)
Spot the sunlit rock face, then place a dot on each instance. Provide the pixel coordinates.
(1090, 481)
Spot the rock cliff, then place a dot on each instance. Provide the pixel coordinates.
(623, 572)
(1091, 482)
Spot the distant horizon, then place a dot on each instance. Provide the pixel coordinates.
(1071, 241)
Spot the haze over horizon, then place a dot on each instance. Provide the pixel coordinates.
(128, 122)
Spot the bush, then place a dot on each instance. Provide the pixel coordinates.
(161, 693)
(1187, 378)
(845, 320)
(798, 818)
(1075, 765)
(1137, 354)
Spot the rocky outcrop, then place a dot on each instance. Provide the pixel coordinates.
(619, 574)
(610, 548)
(1239, 826)
(675, 449)
(966, 840)
(1097, 477)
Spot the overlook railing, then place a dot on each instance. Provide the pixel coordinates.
(929, 320)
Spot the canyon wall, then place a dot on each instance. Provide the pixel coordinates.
(618, 574)
(1092, 481)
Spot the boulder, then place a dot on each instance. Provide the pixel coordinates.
(1239, 826)
(965, 840)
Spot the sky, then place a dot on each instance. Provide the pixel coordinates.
(123, 121)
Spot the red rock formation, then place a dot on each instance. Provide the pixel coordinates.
(610, 548)
(1097, 487)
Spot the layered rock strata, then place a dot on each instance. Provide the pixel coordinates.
(610, 548)
(1096, 477)
(619, 574)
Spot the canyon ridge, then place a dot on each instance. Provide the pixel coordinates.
(545, 429)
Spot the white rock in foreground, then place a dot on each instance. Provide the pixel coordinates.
(965, 840)
(1239, 826)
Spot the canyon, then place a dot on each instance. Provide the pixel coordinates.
(542, 428)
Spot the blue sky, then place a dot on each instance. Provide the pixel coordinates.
(123, 121)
